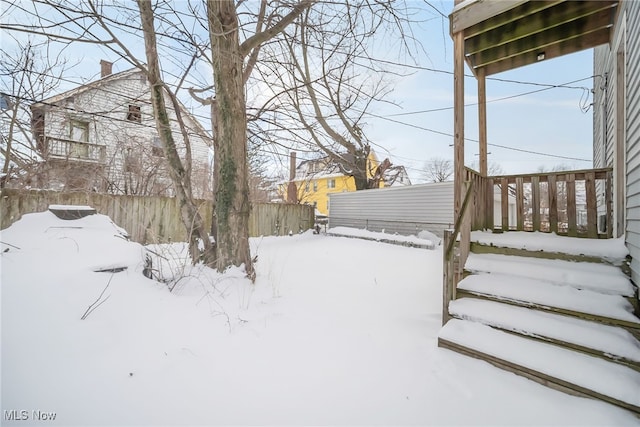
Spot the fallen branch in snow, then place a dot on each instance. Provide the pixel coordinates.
(156, 253)
(97, 303)
(168, 264)
(9, 244)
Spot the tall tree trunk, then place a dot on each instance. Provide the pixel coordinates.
(190, 216)
(232, 190)
(360, 167)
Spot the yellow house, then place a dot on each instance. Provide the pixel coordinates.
(316, 179)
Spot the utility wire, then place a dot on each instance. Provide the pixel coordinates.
(546, 87)
(475, 140)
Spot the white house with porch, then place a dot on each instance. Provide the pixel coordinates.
(101, 136)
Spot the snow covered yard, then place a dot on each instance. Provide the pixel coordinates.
(334, 331)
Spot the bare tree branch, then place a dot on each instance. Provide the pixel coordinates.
(261, 37)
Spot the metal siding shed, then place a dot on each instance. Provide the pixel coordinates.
(403, 210)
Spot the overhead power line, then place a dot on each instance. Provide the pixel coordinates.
(505, 98)
(544, 86)
(497, 79)
(491, 144)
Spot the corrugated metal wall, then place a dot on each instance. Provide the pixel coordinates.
(403, 210)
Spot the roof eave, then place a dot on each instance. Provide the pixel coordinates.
(502, 35)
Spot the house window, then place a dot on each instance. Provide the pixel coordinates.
(134, 114)
(79, 131)
(306, 187)
(331, 183)
(156, 147)
(315, 185)
(132, 161)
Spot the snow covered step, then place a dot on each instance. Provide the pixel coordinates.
(611, 309)
(613, 251)
(545, 363)
(602, 278)
(608, 342)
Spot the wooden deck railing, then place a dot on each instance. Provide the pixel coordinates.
(569, 203)
(456, 251)
(58, 148)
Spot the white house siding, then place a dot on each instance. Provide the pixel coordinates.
(403, 210)
(626, 35)
(105, 106)
(600, 145)
(604, 118)
(633, 135)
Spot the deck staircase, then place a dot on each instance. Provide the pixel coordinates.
(557, 316)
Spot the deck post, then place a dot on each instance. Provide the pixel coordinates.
(458, 120)
(609, 208)
(592, 209)
(448, 274)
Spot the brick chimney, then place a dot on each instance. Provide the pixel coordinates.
(105, 68)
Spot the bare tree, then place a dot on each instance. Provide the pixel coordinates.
(105, 24)
(228, 55)
(262, 188)
(493, 168)
(437, 169)
(27, 74)
(242, 40)
(180, 175)
(328, 82)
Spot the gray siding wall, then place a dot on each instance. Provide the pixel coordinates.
(604, 115)
(600, 117)
(633, 135)
(627, 29)
(403, 210)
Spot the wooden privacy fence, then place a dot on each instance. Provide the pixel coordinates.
(151, 219)
(572, 203)
(279, 219)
